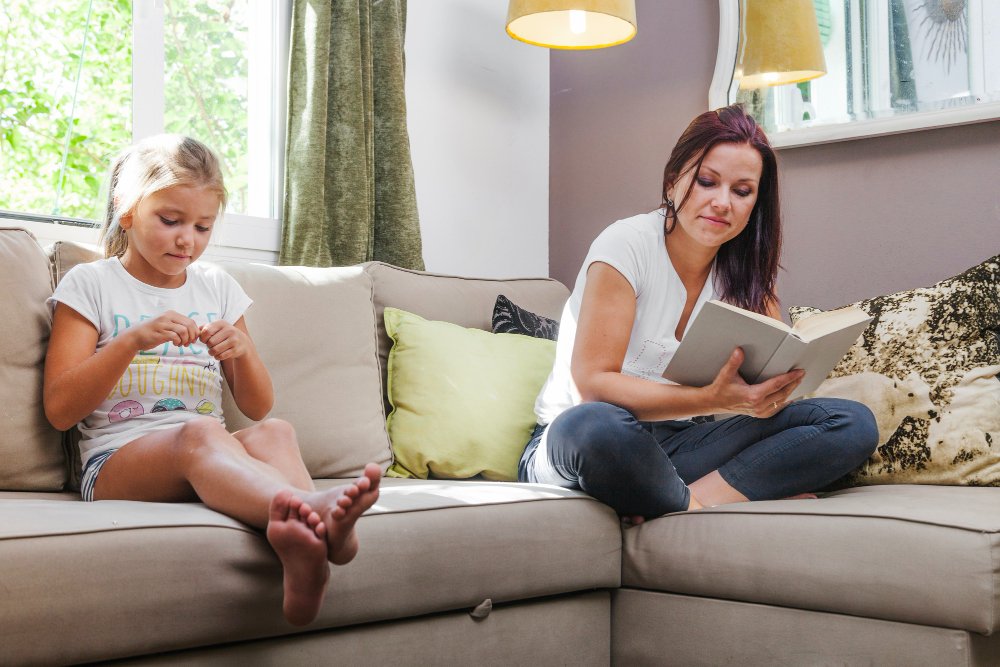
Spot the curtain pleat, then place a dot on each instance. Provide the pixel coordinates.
(349, 189)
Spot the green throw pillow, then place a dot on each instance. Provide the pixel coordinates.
(462, 399)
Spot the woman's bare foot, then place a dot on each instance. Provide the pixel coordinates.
(340, 509)
(292, 533)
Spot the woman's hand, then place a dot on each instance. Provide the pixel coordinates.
(732, 394)
(170, 327)
(224, 341)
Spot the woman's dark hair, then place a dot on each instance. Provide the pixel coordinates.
(746, 267)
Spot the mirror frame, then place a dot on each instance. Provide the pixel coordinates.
(723, 86)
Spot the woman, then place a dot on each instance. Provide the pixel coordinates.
(610, 425)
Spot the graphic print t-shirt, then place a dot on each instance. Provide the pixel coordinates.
(163, 386)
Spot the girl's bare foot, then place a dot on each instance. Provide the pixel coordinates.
(340, 509)
(292, 533)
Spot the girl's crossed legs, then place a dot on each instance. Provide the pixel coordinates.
(257, 476)
(647, 469)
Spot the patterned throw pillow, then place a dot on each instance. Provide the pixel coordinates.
(511, 318)
(929, 368)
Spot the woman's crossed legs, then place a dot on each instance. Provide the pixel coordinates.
(256, 476)
(647, 469)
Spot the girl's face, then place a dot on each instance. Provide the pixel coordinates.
(722, 194)
(169, 230)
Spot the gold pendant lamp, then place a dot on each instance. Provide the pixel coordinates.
(779, 43)
(572, 24)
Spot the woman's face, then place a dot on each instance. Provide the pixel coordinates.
(722, 194)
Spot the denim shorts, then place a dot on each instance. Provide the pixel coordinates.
(90, 472)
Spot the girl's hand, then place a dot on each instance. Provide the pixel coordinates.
(224, 341)
(170, 327)
(732, 394)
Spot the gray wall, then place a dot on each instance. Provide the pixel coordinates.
(862, 217)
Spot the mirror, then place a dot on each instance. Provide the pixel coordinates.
(892, 66)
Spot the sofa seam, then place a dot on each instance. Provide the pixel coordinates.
(991, 543)
(480, 504)
(466, 278)
(98, 531)
(939, 524)
(383, 393)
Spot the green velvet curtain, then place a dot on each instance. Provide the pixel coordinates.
(349, 193)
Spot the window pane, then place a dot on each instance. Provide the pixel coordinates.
(890, 57)
(65, 102)
(205, 86)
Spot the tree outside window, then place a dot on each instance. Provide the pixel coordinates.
(66, 106)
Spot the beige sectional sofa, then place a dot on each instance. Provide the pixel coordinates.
(456, 572)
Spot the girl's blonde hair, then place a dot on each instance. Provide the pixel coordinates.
(153, 165)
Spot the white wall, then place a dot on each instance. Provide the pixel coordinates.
(478, 116)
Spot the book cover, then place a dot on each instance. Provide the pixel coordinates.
(770, 347)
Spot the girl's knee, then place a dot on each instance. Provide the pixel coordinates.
(201, 429)
(203, 434)
(275, 435)
(277, 429)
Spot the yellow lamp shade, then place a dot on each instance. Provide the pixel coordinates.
(779, 43)
(572, 24)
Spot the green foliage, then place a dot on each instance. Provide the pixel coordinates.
(205, 43)
(54, 154)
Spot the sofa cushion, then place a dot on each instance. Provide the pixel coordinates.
(64, 255)
(31, 451)
(315, 331)
(126, 578)
(468, 302)
(929, 368)
(564, 630)
(909, 553)
(648, 625)
(463, 399)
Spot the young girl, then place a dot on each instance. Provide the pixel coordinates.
(610, 425)
(140, 342)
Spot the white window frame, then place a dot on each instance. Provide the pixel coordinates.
(240, 237)
(723, 89)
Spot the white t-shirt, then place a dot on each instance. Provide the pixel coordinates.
(635, 247)
(164, 386)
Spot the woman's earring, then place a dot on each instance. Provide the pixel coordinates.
(670, 203)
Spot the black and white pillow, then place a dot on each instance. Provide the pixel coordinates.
(928, 366)
(508, 317)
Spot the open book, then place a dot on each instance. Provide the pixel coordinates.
(815, 344)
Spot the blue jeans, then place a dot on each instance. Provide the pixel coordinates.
(643, 468)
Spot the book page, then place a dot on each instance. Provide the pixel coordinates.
(760, 317)
(820, 324)
(817, 357)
